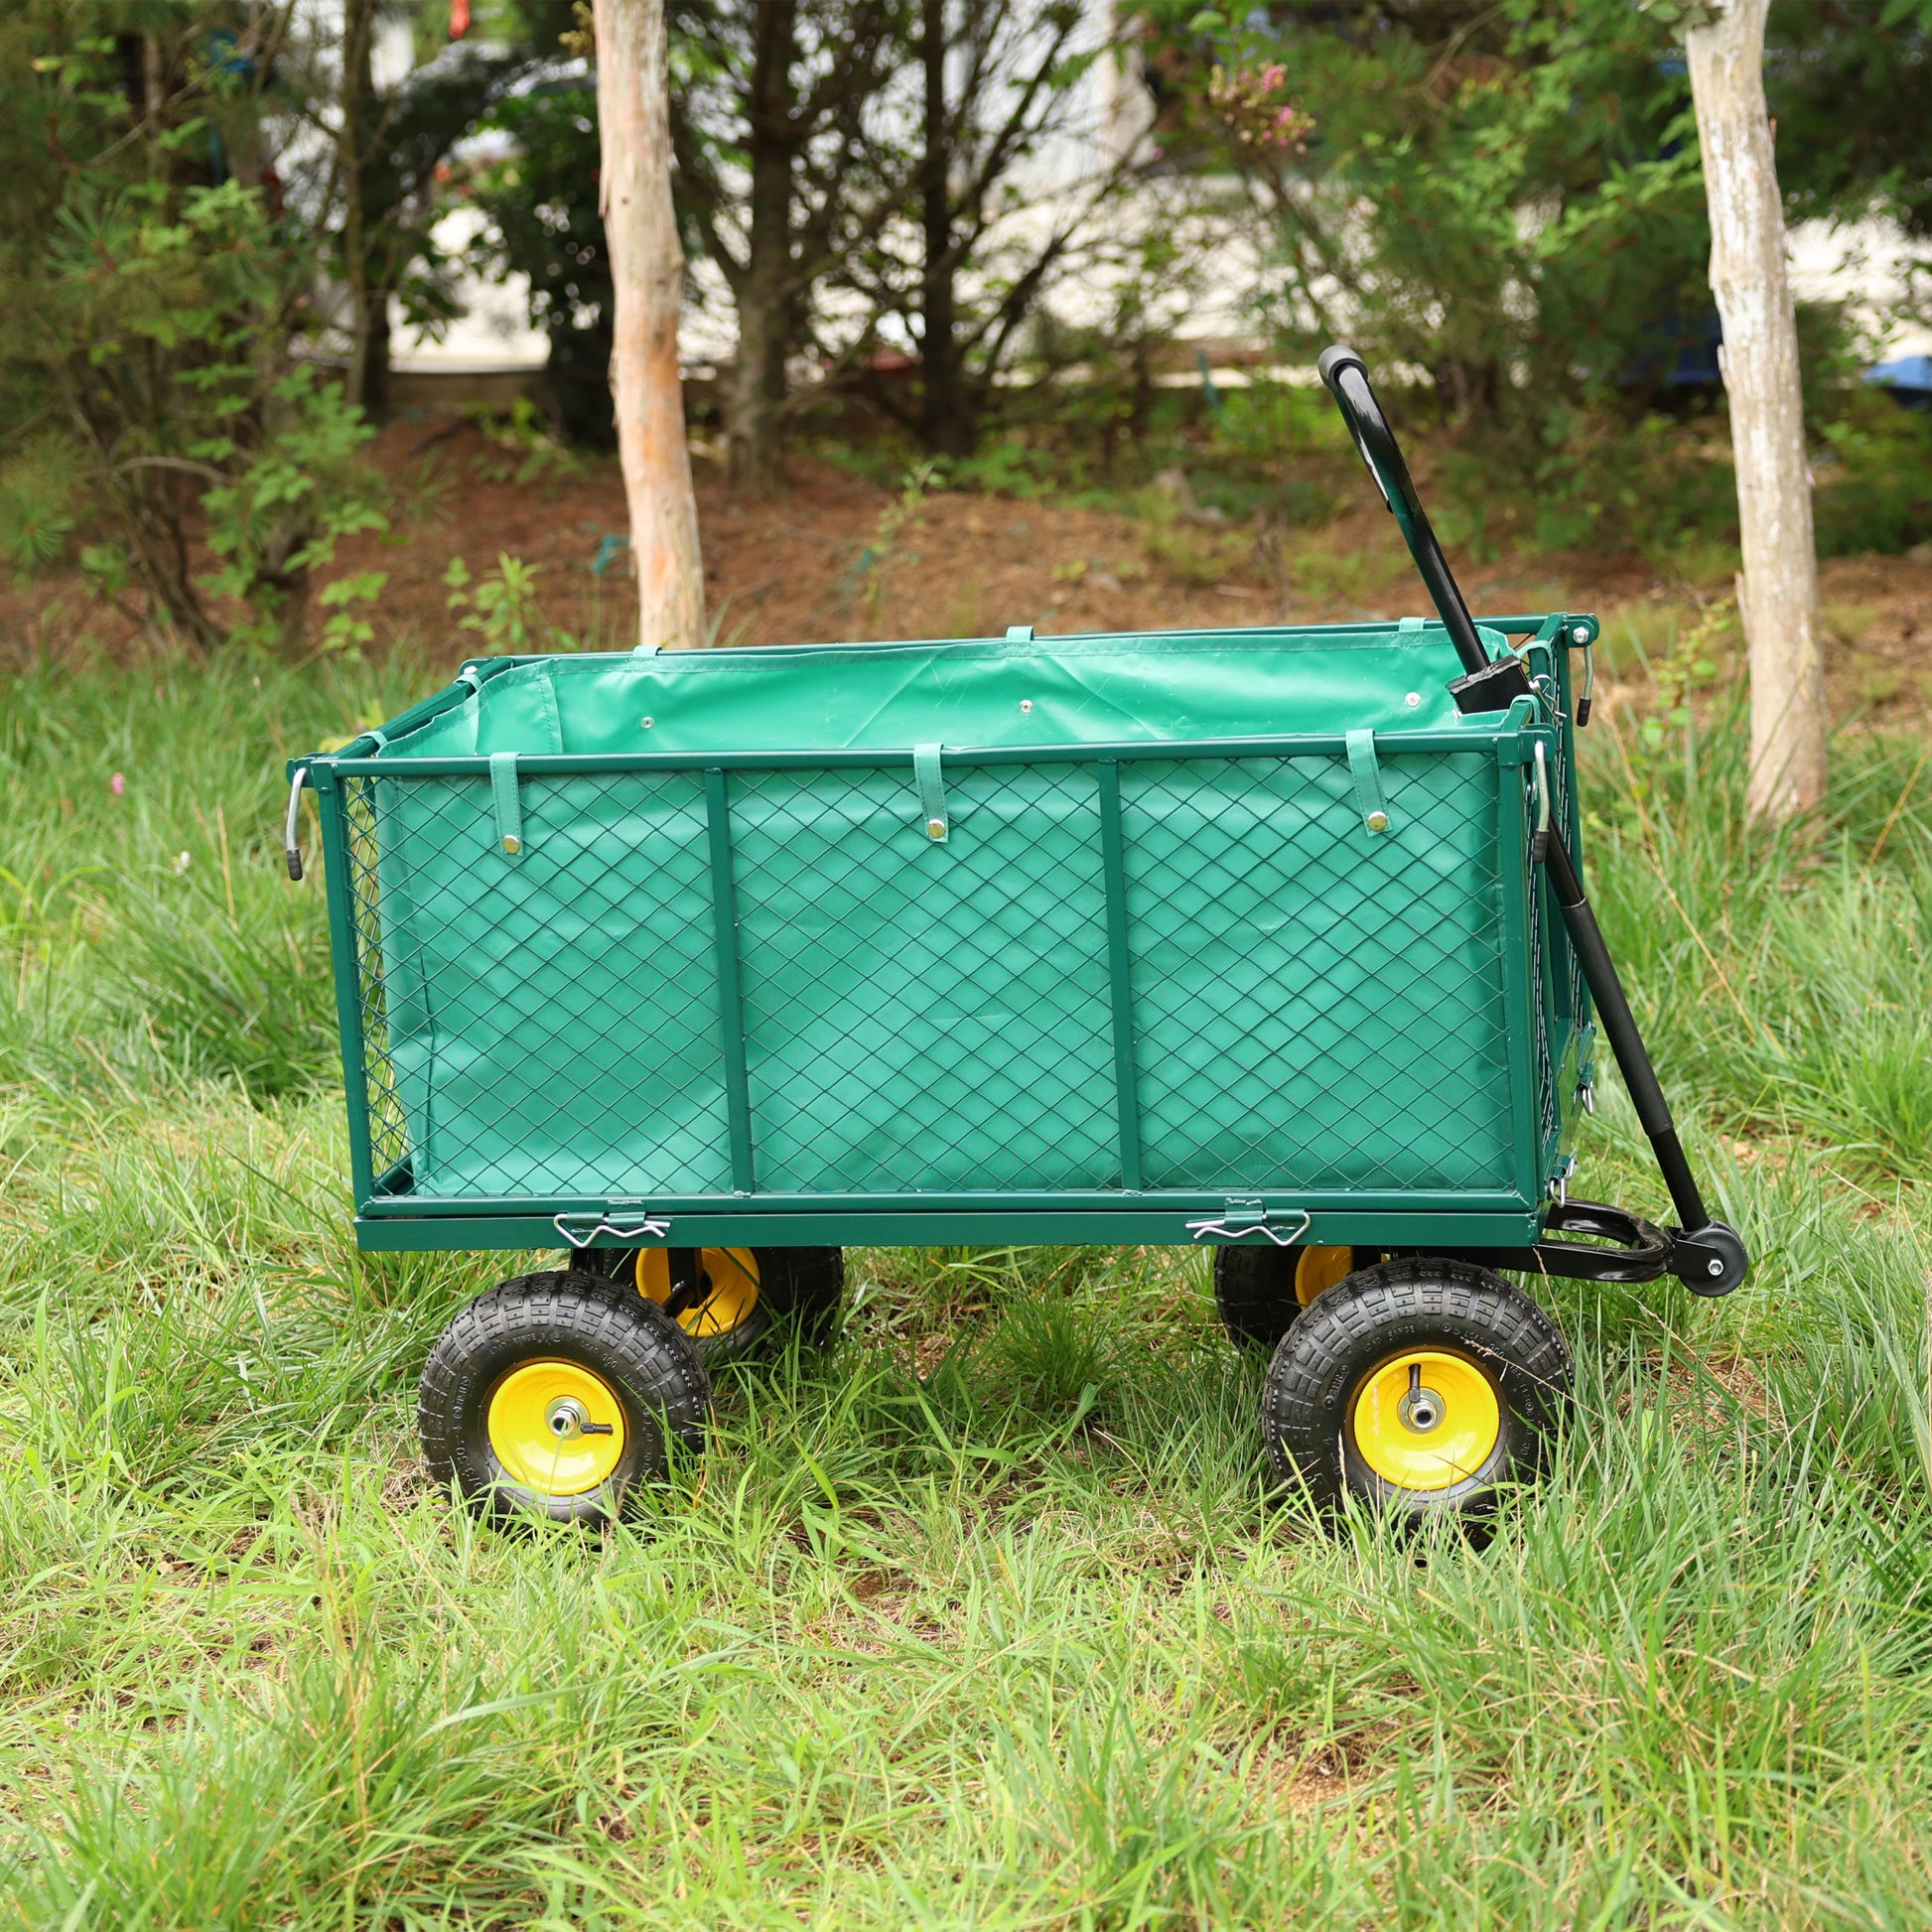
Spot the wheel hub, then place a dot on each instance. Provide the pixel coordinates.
(556, 1428)
(1426, 1419)
(720, 1299)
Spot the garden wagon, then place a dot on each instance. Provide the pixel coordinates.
(708, 965)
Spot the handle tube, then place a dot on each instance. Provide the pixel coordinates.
(1621, 1030)
(1707, 1256)
(1346, 377)
(1484, 686)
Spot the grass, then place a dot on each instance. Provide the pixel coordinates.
(982, 1619)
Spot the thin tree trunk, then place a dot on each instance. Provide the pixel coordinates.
(359, 109)
(764, 293)
(648, 276)
(1767, 423)
(943, 418)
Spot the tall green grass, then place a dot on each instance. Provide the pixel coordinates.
(983, 1618)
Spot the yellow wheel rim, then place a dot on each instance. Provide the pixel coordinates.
(1317, 1270)
(556, 1428)
(1427, 1420)
(727, 1283)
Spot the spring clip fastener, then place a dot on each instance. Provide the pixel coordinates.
(1243, 1218)
(641, 1227)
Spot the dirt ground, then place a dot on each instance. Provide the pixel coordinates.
(839, 557)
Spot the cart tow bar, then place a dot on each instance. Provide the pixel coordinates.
(1707, 1256)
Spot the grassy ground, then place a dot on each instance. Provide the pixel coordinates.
(981, 1620)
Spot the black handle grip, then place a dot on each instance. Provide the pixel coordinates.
(1346, 377)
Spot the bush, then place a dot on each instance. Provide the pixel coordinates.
(1877, 492)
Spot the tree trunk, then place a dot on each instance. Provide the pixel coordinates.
(647, 277)
(763, 293)
(1767, 423)
(944, 418)
(367, 305)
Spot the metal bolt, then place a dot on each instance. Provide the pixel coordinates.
(1025, 704)
(566, 1417)
(1412, 699)
(935, 828)
(1378, 821)
(1580, 633)
(1714, 1268)
(1421, 1410)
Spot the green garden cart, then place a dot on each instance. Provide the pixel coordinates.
(703, 966)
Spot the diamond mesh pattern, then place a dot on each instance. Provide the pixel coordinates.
(547, 1025)
(1312, 1007)
(922, 1016)
(1276, 949)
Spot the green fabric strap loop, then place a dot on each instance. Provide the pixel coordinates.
(510, 809)
(1368, 781)
(932, 792)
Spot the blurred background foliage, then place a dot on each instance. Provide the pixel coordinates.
(995, 233)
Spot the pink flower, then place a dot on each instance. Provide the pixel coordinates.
(117, 784)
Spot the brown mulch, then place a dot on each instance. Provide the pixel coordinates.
(823, 562)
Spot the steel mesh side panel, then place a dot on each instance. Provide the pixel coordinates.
(388, 1128)
(1542, 993)
(1316, 1007)
(548, 1023)
(925, 1016)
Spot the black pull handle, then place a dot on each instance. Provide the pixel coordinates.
(1487, 686)
(1707, 1256)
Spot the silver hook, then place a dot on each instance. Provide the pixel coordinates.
(292, 825)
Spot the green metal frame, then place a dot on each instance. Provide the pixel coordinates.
(1543, 986)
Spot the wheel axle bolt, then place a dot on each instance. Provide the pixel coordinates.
(1421, 1410)
(566, 1417)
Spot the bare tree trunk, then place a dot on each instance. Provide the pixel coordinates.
(763, 291)
(648, 276)
(358, 112)
(944, 419)
(1767, 423)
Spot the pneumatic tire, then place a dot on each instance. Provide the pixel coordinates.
(558, 1395)
(1260, 1289)
(1420, 1386)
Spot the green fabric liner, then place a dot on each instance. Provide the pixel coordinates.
(1304, 1014)
(1082, 690)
